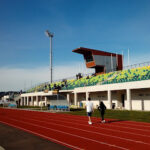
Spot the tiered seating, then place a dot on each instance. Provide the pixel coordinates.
(135, 74)
(44, 86)
(90, 81)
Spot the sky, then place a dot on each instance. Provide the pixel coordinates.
(108, 25)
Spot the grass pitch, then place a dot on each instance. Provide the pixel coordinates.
(141, 116)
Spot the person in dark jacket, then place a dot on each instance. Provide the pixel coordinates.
(102, 109)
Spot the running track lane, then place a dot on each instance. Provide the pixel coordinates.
(74, 132)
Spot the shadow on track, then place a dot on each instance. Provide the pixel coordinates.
(108, 121)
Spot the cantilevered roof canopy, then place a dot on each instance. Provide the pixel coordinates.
(102, 61)
(84, 51)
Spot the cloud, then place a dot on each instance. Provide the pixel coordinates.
(23, 79)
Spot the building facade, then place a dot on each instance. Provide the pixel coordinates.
(128, 95)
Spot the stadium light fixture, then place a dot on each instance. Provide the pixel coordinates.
(50, 35)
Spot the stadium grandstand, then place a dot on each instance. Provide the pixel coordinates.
(117, 86)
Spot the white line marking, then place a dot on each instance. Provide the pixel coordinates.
(115, 130)
(125, 122)
(112, 125)
(41, 135)
(69, 117)
(109, 125)
(133, 125)
(72, 134)
(141, 142)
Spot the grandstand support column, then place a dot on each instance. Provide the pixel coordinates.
(68, 98)
(37, 101)
(27, 100)
(21, 102)
(129, 99)
(45, 101)
(75, 98)
(32, 102)
(109, 100)
(24, 102)
(87, 95)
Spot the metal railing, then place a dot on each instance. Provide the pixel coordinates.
(89, 74)
(137, 65)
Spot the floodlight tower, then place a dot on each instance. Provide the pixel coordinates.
(50, 35)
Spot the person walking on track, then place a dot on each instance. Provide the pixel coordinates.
(89, 109)
(102, 109)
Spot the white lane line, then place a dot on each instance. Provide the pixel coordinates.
(132, 124)
(130, 128)
(79, 118)
(114, 125)
(75, 122)
(70, 118)
(66, 118)
(125, 122)
(141, 123)
(141, 142)
(111, 145)
(41, 135)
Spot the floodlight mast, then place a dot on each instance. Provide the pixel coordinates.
(50, 35)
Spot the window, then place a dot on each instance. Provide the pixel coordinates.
(88, 57)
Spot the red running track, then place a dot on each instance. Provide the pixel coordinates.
(75, 133)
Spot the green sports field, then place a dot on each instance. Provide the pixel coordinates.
(143, 116)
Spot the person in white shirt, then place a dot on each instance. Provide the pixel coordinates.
(89, 109)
